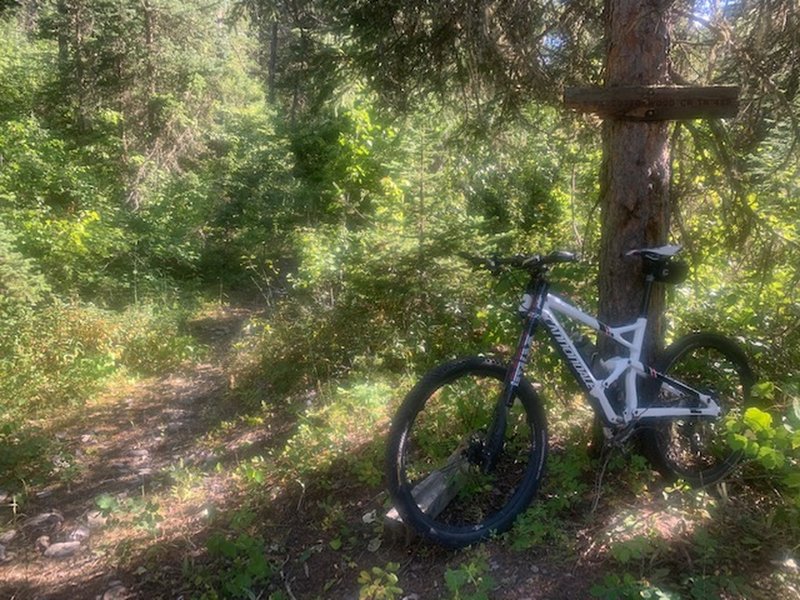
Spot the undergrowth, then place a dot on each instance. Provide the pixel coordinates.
(56, 357)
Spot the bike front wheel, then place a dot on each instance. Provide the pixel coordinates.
(696, 449)
(434, 459)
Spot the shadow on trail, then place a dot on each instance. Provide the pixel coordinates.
(317, 523)
(115, 453)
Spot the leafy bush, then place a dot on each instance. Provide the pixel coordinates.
(20, 279)
(773, 444)
(471, 579)
(24, 455)
(60, 354)
(379, 583)
(151, 340)
(237, 565)
(53, 356)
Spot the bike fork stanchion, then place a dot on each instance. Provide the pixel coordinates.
(495, 437)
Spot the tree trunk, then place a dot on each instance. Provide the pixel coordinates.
(636, 166)
(273, 61)
(63, 38)
(75, 68)
(150, 67)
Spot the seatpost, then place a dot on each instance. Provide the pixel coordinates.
(648, 288)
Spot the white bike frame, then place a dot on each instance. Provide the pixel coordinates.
(623, 367)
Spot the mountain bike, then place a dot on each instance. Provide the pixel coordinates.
(466, 450)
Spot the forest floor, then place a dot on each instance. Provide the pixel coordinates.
(168, 491)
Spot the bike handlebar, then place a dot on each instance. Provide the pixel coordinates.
(529, 262)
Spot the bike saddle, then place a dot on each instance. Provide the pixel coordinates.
(661, 263)
(662, 252)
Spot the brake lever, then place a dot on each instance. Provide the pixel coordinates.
(492, 265)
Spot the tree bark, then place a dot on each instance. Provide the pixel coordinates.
(150, 66)
(81, 87)
(636, 163)
(63, 38)
(273, 60)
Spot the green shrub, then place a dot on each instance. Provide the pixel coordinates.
(53, 356)
(151, 340)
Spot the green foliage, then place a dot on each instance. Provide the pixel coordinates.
(773, 444)
(634, 550)
(53, 356)
(60, 354)
(141, 164)
(471, 579)
(337, 429)
(380, 583)
(137, 511)
(152, 340)
(56, 209)
(25, 70)
(629, 587)
(240, 563)
(20, 280)
(23, 459)
(237, 565)
(544, 521)
(696, 587)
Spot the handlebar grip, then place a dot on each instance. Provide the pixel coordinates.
(562, 256)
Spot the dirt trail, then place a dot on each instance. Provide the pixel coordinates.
(60, 543)
(98, 533)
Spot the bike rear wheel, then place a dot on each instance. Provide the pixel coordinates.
(434, 454)
(696, 449)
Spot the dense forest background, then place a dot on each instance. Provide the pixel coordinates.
(324, 162)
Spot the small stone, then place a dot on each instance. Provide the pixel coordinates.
(175, 426)
(210, 461)
(45, 493)
(87, 438)
(116, 592)
(80, 534)
(42, 543)
(140, 452)
(121, 467)
(791, 565)
(8, 536)
(95, 519)
(178, 413)
(62, 550)
(48, 521)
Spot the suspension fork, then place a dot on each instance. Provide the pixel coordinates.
(530, 309)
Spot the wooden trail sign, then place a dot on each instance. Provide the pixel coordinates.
(655, 102)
